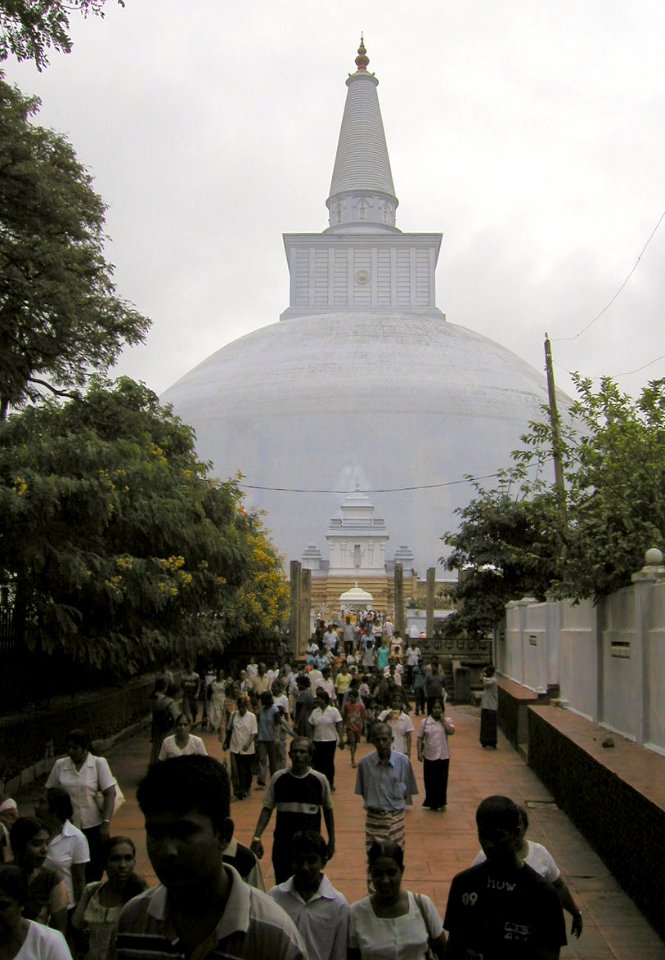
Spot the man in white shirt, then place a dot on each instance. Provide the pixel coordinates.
(319, 911)
(241, 735)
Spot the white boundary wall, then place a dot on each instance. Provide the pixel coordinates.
(607, 660)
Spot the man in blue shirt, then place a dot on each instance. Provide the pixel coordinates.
(386, 782)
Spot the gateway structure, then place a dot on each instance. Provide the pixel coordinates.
(362, 385)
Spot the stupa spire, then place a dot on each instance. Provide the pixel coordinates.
(362, 196)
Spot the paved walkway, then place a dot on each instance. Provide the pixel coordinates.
(438, 845)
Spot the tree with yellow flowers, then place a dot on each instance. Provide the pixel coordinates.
(118, 547)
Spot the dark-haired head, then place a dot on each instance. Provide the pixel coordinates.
(79, 738)
(22, 832)
(114, 842)
(59, 803)
(498, 812)
(189, 783)
(14, 882)
(308, 842)
(381, 849)
(266, 699)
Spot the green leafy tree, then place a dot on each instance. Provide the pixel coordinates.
(60, 316)
(118, 547)
(516, 540)
(616, 491)
(30, 28)
(505, 548)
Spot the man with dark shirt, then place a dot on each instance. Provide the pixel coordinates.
(501, 909)
(299, 794)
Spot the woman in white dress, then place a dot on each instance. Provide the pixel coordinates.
(22, 939)
(326, 724)
(216, 698)
(182, 743)
(393, 922)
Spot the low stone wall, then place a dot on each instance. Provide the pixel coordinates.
(614, 794)
(29, 741)
(514, 701)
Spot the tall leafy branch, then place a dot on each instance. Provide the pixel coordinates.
(60, 314)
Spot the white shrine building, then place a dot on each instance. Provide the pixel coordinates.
(363, 385)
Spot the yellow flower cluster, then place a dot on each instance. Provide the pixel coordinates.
(172, 563)
(124, 563)
(156, 451)
(21, 486)
(167, 588)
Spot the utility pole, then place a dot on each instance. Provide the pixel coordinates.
(556, 444)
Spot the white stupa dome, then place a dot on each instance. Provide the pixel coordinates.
(363, 383)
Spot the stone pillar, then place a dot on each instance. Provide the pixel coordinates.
(400, 622)
(294, 608)
(643, 582)
(305, 609)
(431, 582)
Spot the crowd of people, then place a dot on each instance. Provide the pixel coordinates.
(68, 886)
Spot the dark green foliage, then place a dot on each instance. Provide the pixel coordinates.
(29, 28)
(118, 547)
(60, 316)
(519, 539)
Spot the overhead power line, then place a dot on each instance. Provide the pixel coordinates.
(422, 486)
(621, 288)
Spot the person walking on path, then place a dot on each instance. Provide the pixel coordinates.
(20, 938)
(241, 733)
(320, 912)
(83, 776)
(269, 719)
(191, 687)
(47, 898)
(386, 782)
(163, 718)
(382, 656)
(541, 860)
(434, 754)
(399, 722)
(201, 907)
(326, 722)
(354, 715)
(502, 908)
(393, 922)
(412, 657)
(68, 849)
(102, 901)
(299, 795)
(435, 683)
(182, 743)
(489, 706)
(216, 699)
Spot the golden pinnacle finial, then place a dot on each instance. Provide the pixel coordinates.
(362, 59)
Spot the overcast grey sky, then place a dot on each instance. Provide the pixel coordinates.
(530, 133)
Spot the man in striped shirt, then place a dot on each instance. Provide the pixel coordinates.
(298, 794)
